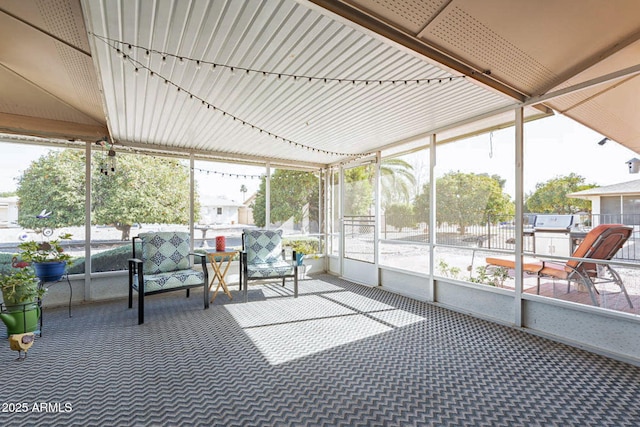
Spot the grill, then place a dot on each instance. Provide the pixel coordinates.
(552, 235)
(554, 222)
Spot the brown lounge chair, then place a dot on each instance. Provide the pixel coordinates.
(601, 243)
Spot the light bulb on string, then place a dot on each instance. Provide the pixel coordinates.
(137, 66)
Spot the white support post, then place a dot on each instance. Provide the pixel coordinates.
(432, 217)
(87, 223)
(378, 216)
(267, 208)
(519, 247)
(341, 218)
(192, 198)
(322, 215)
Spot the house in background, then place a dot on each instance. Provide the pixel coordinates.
(218, 210)
(614, 203)
(245, 212)
(8, 212)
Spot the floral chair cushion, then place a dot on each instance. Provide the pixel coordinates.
(164, 252)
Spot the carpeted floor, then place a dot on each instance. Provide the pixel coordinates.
(339, 355)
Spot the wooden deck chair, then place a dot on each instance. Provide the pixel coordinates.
(601, 244)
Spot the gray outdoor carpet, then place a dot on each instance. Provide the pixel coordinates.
(339, 355)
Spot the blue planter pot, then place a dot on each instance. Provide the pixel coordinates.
(299, 258)
(49, 271)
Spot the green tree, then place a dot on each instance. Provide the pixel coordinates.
(144, 189)
(421, 203)
(466, 199)
(551, 196)
(291, 190)
(294, 194)
(400, 216)
(358, 190)
(397, 181)
(56, 183)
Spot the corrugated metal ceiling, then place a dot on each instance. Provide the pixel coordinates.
(165, 102)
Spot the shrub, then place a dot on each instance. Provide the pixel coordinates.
(400, 216)
(303, 245)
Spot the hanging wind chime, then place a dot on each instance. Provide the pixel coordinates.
(108, 159)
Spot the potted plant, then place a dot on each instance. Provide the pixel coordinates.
(302, 247)
(20, 295)
(47, 258)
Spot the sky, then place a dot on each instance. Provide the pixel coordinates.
(554, 146)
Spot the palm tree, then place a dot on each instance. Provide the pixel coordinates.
(243, 190)
(397, 181)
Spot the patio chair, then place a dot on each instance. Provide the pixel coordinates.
(164, 266)
(263, 257)
(601, 243)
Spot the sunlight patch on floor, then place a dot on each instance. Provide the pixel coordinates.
(286, 329)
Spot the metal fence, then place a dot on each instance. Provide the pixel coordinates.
(359, 234)
(499, 233)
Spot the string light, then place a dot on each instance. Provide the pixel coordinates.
(264, 73)
(226, 174)
(137, 64)
(178, 162)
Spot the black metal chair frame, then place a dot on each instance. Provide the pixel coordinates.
(244, 272)
(135, 267)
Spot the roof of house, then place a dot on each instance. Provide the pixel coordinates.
(216, 201)
(626, 188)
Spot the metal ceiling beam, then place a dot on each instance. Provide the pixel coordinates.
(411, 42)
(45, 32)
(47, 128)
(607, 78)
(591, 61)
(219, 155)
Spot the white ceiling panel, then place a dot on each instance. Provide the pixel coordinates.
(48, 84)
(177, 99)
